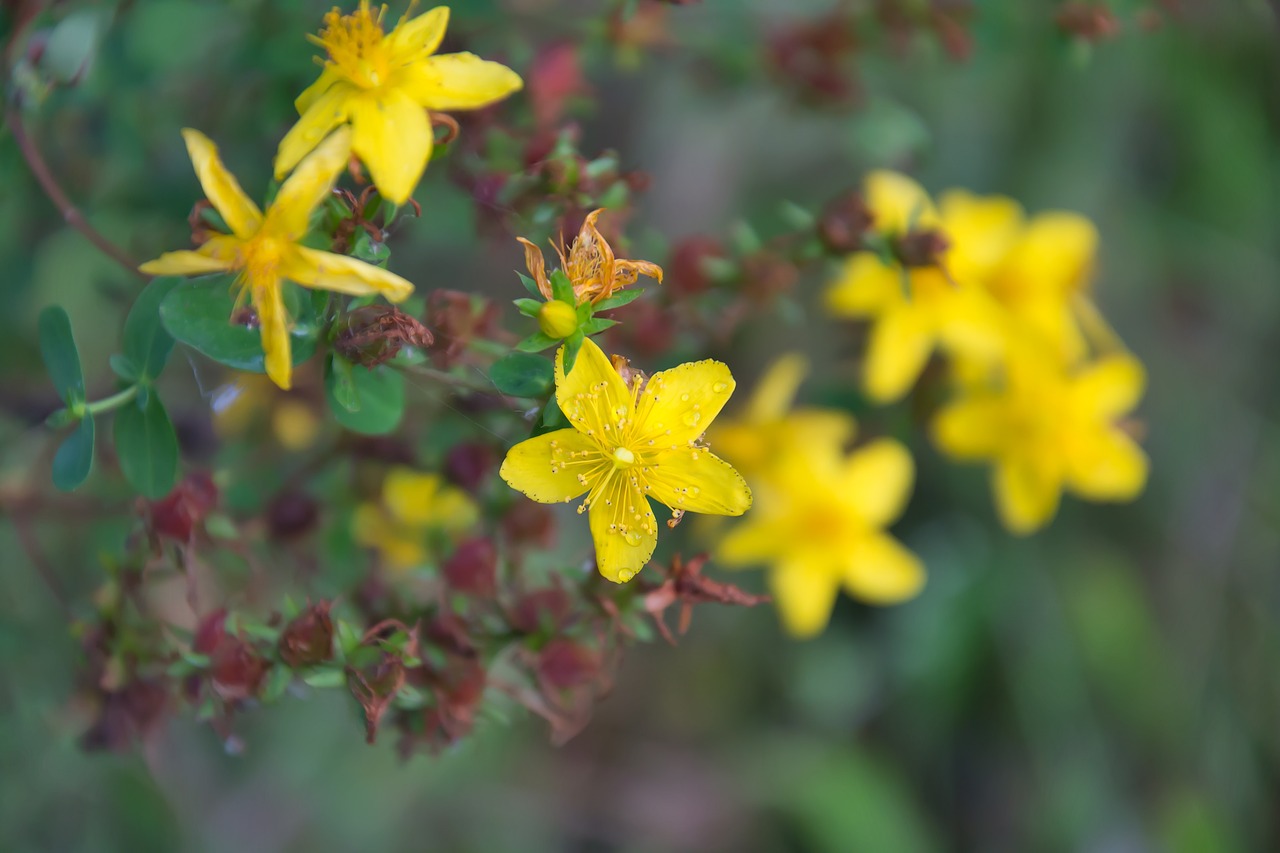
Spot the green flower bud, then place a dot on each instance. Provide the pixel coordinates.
(557, 319)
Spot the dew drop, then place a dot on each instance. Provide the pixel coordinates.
(720, 387)
(692, 418)
(633, 537)
(684, 398)
(625, 575)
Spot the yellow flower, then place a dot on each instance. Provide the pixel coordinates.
(265, 249)
(820, 526)
(414, 506)
(626, 445)
(980, 231)
(770, 426)
(897, 204)
(596, 274)
(383, 84)
(1050, 428)
(912, 311)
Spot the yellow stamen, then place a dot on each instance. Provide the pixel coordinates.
(355, 45)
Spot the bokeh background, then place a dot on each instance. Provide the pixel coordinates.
(1109, 684)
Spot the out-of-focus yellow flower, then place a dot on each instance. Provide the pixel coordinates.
(596, 274)
(237, 405)
(1050, 428)
(912, 311)
(980, 231)
(819, 525)
(770, 427)
(383, 84)
(628, 444)
(897, 204)
(265, 249)
(415, 507)
(1044, 275)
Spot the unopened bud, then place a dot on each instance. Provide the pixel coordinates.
(557, 319)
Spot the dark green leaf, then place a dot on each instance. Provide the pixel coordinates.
(562, 287)
(596, 325)
(552, 418)
(72, 45)
(369, 250)
(74, 458)
(521, 374)
(624, 297)
(146, 343)
(536, 342)
(198, 313)
(147, 447)
(124, 367)
(61, 358)
(342, 384)
(571, 347)
(531, 286)
(529, 307)
(378, 397)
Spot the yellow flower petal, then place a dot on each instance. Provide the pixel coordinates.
(328, 77)
(1108, 466)
(776, 390)
(393, 139)
(971, 429)
(696, 480)
(342, 274)
(804, 592)
(591, 385)
(459, 81)
(755, 540)
(185, 262)
(1053, 257)
(981, 231)
(274, 326)
(1109, 387)
(220, 186)
(865, 287)
(899, 345)
(309, 185)
(410, 495)
(420, 35)
(877, 481)
(970, 323)
(528, 467)
(328, 110)
(369, 525)
(678, 405)
(1027, 492)
(624, 530)
(898, 204)
(879, 570)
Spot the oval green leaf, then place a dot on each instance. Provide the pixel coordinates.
(146, 343)
(522, 374)
(74, 459)
(61, 358)
(198, 313)
(147, 447)
(377, 396)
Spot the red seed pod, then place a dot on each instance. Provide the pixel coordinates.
(469, 464)
(921, 248)
(210, 632)
(564, 664)
(178, 514)
(1087, 21)
(473, 568)
(529, 523)
(236, 671)
(308, 639)
(843, 223)
(375, 687)
(292, 514)
(688, 274)
(541, 610)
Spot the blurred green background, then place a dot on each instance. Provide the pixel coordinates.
(1110, 684)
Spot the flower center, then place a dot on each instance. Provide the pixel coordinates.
(260, 258)
(355, 45)
(623, 458)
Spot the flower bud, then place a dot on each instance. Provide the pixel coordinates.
(473, 568)
(308, 639)
(557, 319)
(563, 664)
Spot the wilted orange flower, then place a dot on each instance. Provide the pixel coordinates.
(590, 265)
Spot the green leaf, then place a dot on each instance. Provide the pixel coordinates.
(521, 374)
(147, 447)
(378, 397)
(625, 297)
(325, 678)
(343, 383)
(198, 313)
(529, 307)
(369, 250)
(61, 358)
(552, 418)
(72, 45)
(571, 347)
(531, 286)
(123, 366)
(596, 325)
(146, 344)
(536, 342)
(562, 287)
(74, 459)
(277, 682)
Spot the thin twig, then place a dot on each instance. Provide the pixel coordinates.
(70, 213)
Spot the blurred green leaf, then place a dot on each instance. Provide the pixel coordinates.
(562, 287)
(596, 325)
(378, 395)
(529, 307)
(522, 374)
(147, 447)
(536, 342)
(146, 343)
(339, 380)
(198, 313)
(625, 297)
(124, 367)
(531, 286)
(61, 359)
(74, 459)
(68, 54)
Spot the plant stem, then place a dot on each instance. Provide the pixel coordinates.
(115, 401)
(70, 213)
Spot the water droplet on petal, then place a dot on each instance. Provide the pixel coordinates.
(684, 398)
(633, 537)
(720, 387)
(625, 575)
(692, 418)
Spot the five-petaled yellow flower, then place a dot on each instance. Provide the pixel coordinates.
(1051, 428)
(265, 249)
(416, 507)
(590, 264)
(383, 84)
(820, 525)
(628, 444)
